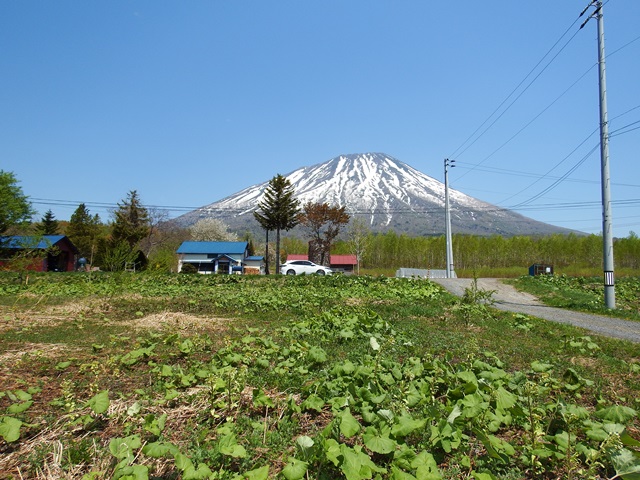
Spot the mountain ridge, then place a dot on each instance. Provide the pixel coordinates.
(388, 193)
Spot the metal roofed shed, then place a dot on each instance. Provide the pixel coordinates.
(60, 259)
(213, 257)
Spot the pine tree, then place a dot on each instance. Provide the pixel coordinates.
(48, 224)
(131, 221)
(278, 210)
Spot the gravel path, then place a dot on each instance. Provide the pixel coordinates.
(509, 299)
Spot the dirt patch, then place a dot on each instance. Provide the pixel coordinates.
(47, 350)
(11, 319)
(179, 322)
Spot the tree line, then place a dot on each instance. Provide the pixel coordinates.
(141, 237)
(392, 250)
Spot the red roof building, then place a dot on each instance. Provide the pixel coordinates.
(338, 263)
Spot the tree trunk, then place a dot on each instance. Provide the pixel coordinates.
(266, 254)
(277, 250)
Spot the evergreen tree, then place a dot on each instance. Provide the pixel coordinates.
(48, 224)
(131, 221)
(84, 231)
(15, 208)
(278, 210)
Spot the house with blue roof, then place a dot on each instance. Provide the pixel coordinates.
(48, 253)
(218, 257)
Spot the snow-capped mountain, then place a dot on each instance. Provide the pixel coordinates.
(387, 193)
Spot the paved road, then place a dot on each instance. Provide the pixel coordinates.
(509, 299)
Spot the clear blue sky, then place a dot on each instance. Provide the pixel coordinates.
(189, 102)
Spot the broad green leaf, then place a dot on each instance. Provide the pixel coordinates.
(357, 465)
(154, 425)
(132, 472)
(261, 473)
(123, 447)
(305, 442)
(134, 409)
(99, 403)
(455, 413)
(346, 333)
(19, 407)
(397, 474)
(229, 446)
(474, 405)
(406, 425)
(482, 476)
(386, 414)
(426, 467)
(295, 469)
(616, 414)
(62, 365)
(159, 449)
(349, 426)
(541, 367)
(317, 355)
(374, 344)
(22, 395)
(626, 464)
(203, 471)
(182, 461)
(260, 399)
(332, 451)
(628, 441)
(313, 402)
(10, 429)
(504, 399)
(467, 376)
(413, 396)
(378, 443)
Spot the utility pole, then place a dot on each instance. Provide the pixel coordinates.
(607, 235)
(447, 218)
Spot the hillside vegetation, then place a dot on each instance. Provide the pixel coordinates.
(567, 253)
(138, 376)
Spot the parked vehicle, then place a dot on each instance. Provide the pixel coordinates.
(300, 267)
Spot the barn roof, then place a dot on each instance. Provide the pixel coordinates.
(211, 248)
(40, 242)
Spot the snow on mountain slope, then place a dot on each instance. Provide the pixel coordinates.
(386, 192)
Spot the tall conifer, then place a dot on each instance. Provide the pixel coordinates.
(278, 210)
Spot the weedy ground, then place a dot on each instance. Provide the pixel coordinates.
(167, 377)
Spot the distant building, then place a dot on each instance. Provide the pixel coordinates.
(219, 257)
(45, 253)
(338, 263)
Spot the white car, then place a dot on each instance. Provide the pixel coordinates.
(299, 267)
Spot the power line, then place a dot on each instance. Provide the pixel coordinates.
(457, 150)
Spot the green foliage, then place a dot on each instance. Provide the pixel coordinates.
(48, 225)
(131, 221)
(278, 210)
(335, 377)
(84, 231)
(510, 256)
(189, 268)
(15, 208)
(585, 294)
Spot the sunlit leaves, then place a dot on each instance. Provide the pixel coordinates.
(99, 403)
(10, 428)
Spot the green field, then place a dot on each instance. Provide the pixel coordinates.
(137, 376)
